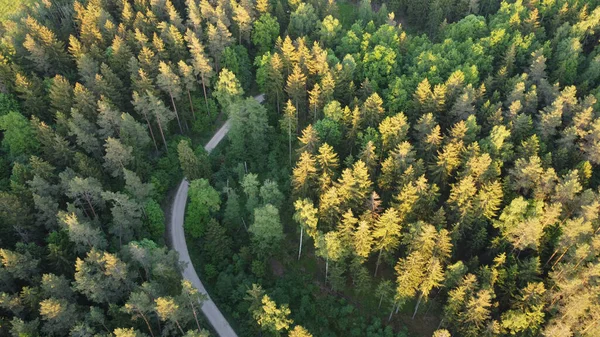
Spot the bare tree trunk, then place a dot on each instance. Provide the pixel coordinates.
(300, 247)
(205, 97)
(151, 132)
(380, 300)
(179, 326)
(147, 323)
(392, 312)
(195, 315)
(551, 257)
(378, 259)
(191, 104)
(417, 306)
(162, 133)
(175, 109)
(91, 206)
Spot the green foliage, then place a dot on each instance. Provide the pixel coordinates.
(19, 139)
(204, 201)
(267, 230)
(155, 220)
(264, 33)
(457, 141)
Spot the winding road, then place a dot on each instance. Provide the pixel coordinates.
(177, 240)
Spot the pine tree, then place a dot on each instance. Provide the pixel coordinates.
(82, 233)
(304, 174)
(315, 101)
(119, 56)
(194, 15)
(228, 90)
(327, 160)
(372, 110)
(84, 132)
(275, 78)
(309, 140)
(386, 233)
(30, 90)
(188, 79)
(296, 86)
(102, 277)
(243, 21)
(393, 131)
(422, 270)
(85, 102)
(169, 310)
(193, 167)
(369, 156)
(363, 240)
(424, 98)
(299, 331)
(289, 55)
(117, 156)
(219, 38)
(139, 305)
(61, 94)
(306, 216)
(46, 51)
(161, 113)
(267, 231)
(289, 124)
(140, 103)
(200, 62)
(170, 83)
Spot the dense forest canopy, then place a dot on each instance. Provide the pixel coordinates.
(418, 168)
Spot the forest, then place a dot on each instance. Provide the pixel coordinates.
(417, 168)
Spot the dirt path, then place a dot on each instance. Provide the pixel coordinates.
(177, 241)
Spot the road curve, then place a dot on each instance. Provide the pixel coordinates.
(177, 240)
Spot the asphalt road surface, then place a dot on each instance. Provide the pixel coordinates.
(177, 239)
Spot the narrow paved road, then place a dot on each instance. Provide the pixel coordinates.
(177, 239)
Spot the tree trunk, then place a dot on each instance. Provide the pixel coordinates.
(392, 312)
(205, 97)
(380, 300)
(277, 98)
(91, 206)
(417, 306)
(179, 326)
(162, 133)
(150, 129)
(195, 315)
(191, 105)
(147, 323)
(378, 259)
(175, 109)
(551, 257)
(300, 246)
